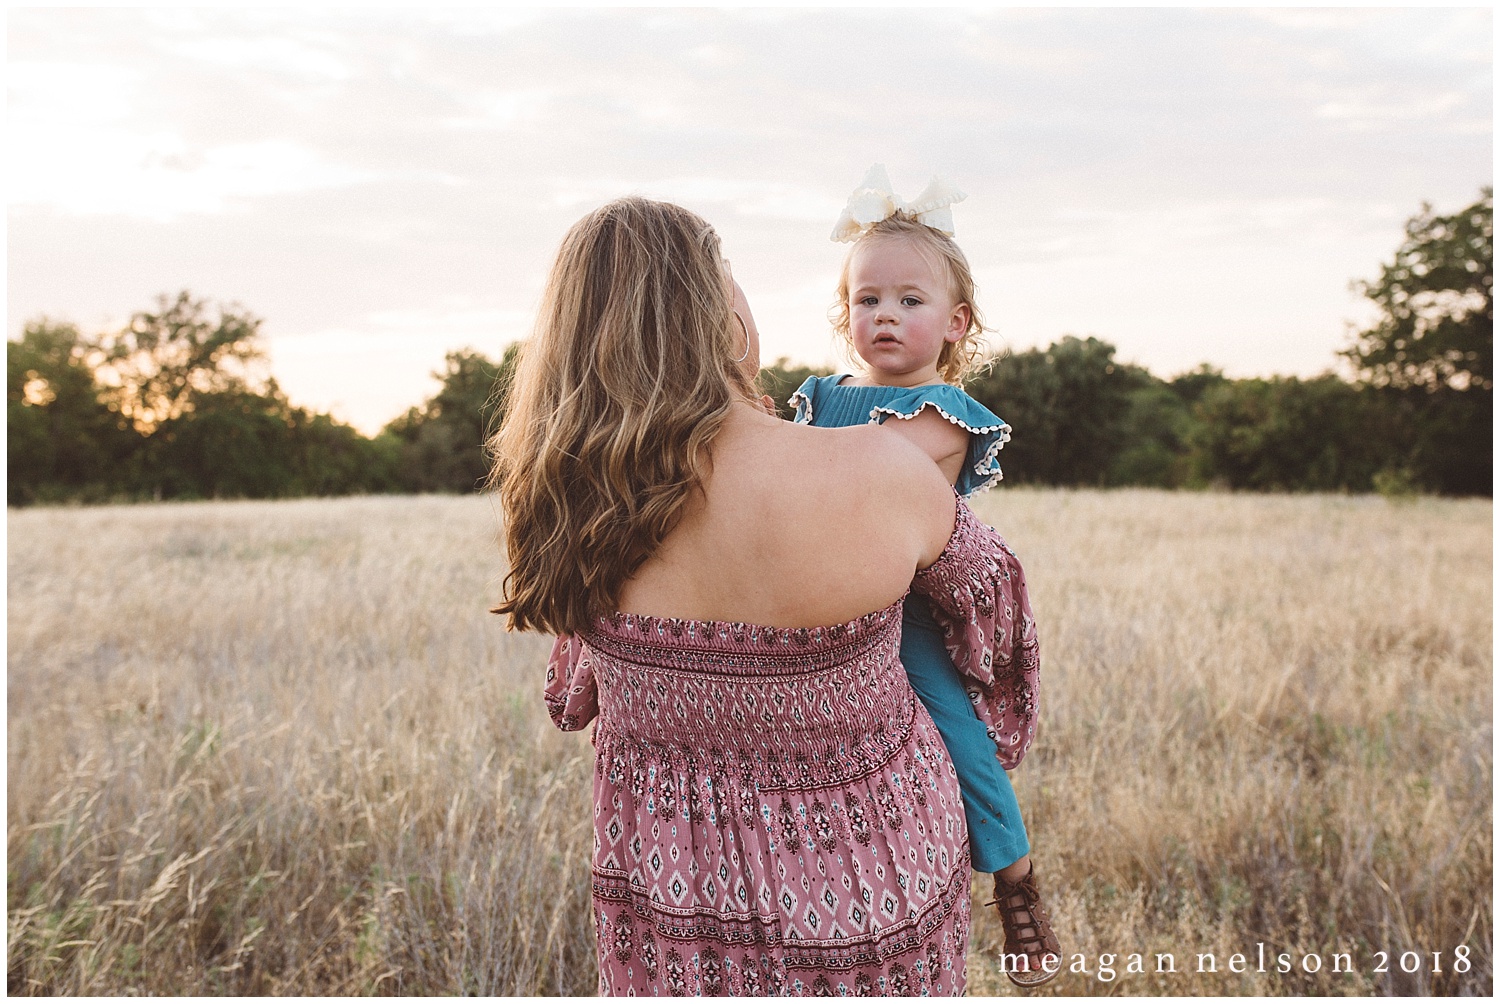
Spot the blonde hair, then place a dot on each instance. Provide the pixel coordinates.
(615, 405)
(957, 360)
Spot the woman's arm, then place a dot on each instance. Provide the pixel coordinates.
(978, 594)
(571, 693)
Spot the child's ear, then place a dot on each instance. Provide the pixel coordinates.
(958, 323)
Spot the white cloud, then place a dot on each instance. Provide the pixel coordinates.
(1378, 110)
(275, 54)
(74, 145)
(160, 177)
(747, 197)
(87, 94)
(379, 185)
(498, 110)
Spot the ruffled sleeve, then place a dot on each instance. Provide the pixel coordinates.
(802, 399)
(978, 596)
(572, 694)
(988, 432)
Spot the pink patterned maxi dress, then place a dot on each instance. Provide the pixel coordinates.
(774, 811)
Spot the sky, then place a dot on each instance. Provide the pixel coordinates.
(1191, 185)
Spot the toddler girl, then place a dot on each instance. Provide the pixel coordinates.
(906, 304)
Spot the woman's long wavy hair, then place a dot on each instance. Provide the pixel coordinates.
(619, 393)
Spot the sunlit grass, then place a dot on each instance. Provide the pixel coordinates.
(282, 748)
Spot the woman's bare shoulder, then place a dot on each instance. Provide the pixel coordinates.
(886, 477)
(870, 444)
(799, 527)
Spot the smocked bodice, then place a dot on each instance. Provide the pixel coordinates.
(774, 812)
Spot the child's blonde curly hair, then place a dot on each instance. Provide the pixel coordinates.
(959, 359)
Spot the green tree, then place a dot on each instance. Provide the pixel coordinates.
(1068, 405)
(1157, 424)
(233, 443)
(62, 440)
(1192, 385)
(781, 379)
(442, 442)
(173, 406)
(1287, 434)
(1430, 356)
(1437, 306)
(240, 443)
(332, 458)
(1161, 423)
(163, 360)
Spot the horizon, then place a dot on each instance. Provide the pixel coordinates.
(1191, 186)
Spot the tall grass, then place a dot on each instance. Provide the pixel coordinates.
(264, 748)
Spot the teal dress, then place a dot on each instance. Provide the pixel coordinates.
(996, 834)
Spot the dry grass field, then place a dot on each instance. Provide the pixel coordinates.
(275, 748)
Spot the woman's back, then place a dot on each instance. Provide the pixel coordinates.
(773, 812)
(797, 527)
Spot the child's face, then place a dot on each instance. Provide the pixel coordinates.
(901, 312)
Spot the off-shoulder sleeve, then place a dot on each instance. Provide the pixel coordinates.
(978, 595)
(572, 694)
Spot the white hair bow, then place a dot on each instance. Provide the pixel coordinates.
(874, 201)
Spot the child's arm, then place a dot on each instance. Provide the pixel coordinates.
(947, 444)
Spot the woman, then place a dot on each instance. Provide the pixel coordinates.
(774, 812)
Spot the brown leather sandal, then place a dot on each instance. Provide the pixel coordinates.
(1028, 931)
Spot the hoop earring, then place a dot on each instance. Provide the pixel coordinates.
(746, 330)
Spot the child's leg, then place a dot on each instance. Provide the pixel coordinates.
(997, 837)
(997, 840)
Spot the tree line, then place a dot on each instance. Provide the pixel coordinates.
(178, 405)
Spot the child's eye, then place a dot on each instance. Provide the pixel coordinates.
(868, 301)
(910, 301)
